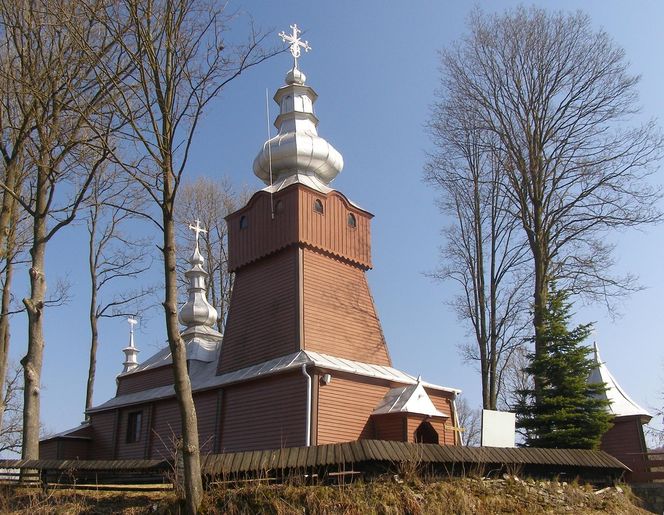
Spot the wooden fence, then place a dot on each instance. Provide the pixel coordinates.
(645, 467)
(328, 463)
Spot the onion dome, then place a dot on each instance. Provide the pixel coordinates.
(297, 149)
(197, 311)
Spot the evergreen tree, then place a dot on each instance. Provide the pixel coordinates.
(565, 411)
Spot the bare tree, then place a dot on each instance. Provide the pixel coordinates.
(209, 201)
(112, 258)
(470, 422)
(558, 96)
(11, 431)
(485, 253)
(58, 75)
(180, 63)
(14, 245)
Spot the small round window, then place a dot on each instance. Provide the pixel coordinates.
(244, 223)
(352, 221)
(318, 206)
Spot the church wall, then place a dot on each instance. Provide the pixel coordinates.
(103, 435)
(140, 381)
(391, 426)
(262, 234)
(65, 449)
(165, 428)
(263, 318)
(329, 231)
(624, 437)
(126, 449)
(339, 313)
(265, 414)
(344, 409)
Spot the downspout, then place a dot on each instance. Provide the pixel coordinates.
(309, 387)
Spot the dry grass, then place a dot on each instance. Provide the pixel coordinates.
(458, 496)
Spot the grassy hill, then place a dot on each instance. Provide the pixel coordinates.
(387, 496)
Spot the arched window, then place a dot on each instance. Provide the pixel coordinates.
(244, 223)
(425, 433)
(352, 221)
(278, 207)
(318, 206)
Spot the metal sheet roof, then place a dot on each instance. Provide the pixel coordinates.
(408, 399)
(204, 375)
(621, 403)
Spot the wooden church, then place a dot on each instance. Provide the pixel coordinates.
(303, 360)
(625, 439)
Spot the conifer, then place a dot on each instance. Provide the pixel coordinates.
(566, 411)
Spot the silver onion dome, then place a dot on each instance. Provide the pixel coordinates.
(297, 148)
(197, 311)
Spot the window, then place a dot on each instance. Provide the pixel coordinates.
(278, 207)
(244, 223)
(134, 423)
(318, 206)
(352, 222)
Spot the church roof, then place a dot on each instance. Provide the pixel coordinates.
(408, 399)
(204, 375)
(621, 403)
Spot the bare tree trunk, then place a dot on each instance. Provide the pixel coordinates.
(94, 333)
(4, 319)
(182, 383)
(32, 361)
(8, 203)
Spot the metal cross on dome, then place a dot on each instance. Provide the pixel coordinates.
(296, 44)
(197, 229)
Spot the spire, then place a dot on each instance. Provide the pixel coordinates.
(297, 150)
(131, 352)
(197, 313)
(620, 403)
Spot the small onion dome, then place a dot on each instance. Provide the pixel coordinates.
(297, 148)
(197, 311)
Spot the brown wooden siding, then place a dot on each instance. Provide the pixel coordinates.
(624, 438)
(344, 409)
(443, 401)
(267, 414)
(132, 450)
(103, 426)
(330, 232)
(262, 321)
(263, 234)
(165, 429)
(296, 222)
(206, 412)
(339, 314)
(65, 449)
(140, 381)
(391, 426)
(48, 450)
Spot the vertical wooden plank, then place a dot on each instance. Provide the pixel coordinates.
(218, 418)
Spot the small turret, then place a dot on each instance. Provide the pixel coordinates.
(131, 352)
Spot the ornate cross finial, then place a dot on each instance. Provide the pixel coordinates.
(295, 43)
(197, 229)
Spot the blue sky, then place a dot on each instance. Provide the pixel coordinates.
(374, 67)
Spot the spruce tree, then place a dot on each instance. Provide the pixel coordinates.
(566, 411)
